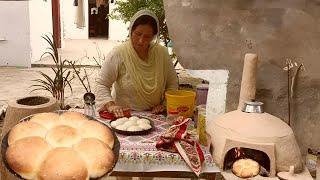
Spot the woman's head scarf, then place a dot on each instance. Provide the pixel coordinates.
(142, 13)
(149, 77)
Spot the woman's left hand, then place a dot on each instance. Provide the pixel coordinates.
(157, 109)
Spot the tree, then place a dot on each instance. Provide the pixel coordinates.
(126, 9)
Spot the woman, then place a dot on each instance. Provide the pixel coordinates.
(139, 71)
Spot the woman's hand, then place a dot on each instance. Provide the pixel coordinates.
(157, 109)
(111, 107)
(117, 110)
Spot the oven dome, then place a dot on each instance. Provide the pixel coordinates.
(253, 125)
(258, 131)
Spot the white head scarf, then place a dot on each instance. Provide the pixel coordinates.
(149, 77)
(142, 13)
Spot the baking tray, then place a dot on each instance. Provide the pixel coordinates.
(115, 149)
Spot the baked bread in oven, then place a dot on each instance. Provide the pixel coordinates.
(245, 168)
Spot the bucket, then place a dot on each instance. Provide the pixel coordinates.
(181, 102)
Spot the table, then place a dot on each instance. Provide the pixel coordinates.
(138, 155)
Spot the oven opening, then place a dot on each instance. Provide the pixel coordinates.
(237, 153)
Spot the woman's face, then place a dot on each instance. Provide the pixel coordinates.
(141, 36)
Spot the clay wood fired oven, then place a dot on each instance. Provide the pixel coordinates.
(258, 136)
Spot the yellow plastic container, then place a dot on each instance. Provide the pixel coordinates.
(181, 102)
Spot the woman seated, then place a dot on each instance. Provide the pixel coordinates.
(139, 71)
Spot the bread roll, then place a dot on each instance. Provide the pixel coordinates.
(73, 119)
(94, 129)
(48, 120)
(63, 136)
(63, 164)
(26, 129)
(98, 156)
(25, 155)
(245, 168)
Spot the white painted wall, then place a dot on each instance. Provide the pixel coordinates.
(118, 30)
(217, 93)
(40, 13)
(70, 30)
(15, 29)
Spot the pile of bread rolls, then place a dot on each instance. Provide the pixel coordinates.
(132, 124)
(66, 146)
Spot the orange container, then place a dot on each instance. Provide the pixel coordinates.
(181, 102)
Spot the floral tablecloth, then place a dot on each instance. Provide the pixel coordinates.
(139, 153)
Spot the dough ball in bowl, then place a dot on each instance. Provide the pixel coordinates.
(121, 127)
(73, 119)
(94, 129)
(26, 129)
(130, 123)
(134, 128)
(116, 123)
(143, 121)
(63, 164)
(145, 126)
(63, 136)
(98, 156)
(47, 120)
(135, 118)
(26, 154)
(122, 120)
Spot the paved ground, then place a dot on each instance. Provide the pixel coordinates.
(81, 51)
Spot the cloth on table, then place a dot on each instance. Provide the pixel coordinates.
(178, 139)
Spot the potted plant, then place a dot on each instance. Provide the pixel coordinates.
(62, 76)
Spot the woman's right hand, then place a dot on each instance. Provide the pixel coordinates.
(113, 108)
(117, 110)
